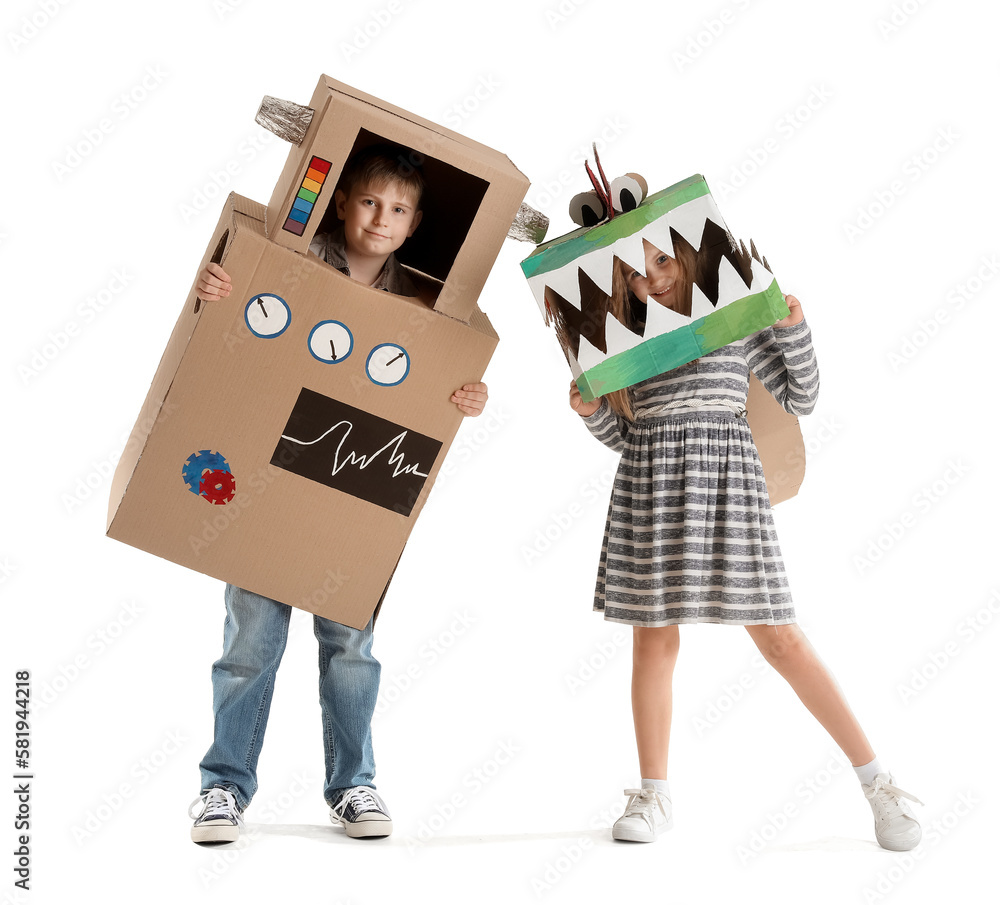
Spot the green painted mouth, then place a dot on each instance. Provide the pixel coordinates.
(671, 350)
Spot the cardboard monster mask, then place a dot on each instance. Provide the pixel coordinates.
(611, 338)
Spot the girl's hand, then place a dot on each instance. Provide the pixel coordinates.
(795, 315)
(213, 284)
(583, 409)
(471, 398)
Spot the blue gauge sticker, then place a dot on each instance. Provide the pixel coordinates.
(388, 364)
(330, 342)
(267, 315)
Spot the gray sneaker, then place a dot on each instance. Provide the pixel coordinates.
(362, 812)
(219, 818)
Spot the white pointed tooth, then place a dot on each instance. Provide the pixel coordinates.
(597, 265)
(762, 277)
(731, 285)
(619, 337)
(661, 319)
(631, 251)
(590, 355)
(700, 305)
(574, 365)
(565, 281)
(689, 219)
(537, 284)
(657, 233)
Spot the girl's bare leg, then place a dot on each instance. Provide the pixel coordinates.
(654, 654)
(788, 650)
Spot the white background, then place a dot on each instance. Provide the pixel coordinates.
(805, 119)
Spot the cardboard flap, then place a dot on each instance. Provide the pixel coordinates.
(779, 443)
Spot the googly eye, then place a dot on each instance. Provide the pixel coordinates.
(586, 209)
(627, 192)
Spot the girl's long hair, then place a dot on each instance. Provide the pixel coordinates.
(631, 312)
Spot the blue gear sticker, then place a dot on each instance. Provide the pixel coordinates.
(200, 462)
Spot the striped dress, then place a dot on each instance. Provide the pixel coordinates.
(689, 535)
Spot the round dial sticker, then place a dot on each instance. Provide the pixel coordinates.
(267, 315)
(330, 342)
(388, 364)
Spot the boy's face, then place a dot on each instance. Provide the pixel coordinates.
(377, 219)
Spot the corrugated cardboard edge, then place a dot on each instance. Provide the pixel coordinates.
(778, 439)
(237, 214)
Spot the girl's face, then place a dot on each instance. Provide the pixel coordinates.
(663, 281)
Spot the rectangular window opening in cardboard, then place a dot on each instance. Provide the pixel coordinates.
(450, 203)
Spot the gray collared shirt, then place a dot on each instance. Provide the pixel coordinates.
(330, 248)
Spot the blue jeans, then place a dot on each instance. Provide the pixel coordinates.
(256, 631)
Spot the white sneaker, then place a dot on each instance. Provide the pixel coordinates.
(647, 814)
(219, 818)
(362, 812)
(895, 826)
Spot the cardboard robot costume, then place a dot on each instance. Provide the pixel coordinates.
(293, 431)
(733, 295)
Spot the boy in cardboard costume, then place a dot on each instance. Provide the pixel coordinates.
(292, 432)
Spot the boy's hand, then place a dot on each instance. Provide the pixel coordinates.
(795, 315)
(213, 284)
(583, 409)
(471, 398)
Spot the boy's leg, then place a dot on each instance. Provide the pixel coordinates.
(256, 631)
(348, 689)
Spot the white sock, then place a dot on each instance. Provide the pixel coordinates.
(866, 772)
(659, 784)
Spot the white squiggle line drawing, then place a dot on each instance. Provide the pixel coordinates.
(353, 457)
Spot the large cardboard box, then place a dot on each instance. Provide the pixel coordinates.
(293, 430)
(734, 293)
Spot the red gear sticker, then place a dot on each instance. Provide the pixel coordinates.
(218, 487)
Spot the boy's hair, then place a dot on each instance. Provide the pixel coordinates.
(384, 164)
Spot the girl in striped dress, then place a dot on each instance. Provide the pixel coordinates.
(690, 536)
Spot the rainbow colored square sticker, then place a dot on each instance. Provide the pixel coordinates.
(305, 198)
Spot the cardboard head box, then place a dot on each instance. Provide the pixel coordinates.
(294, 429)
(733, 293)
